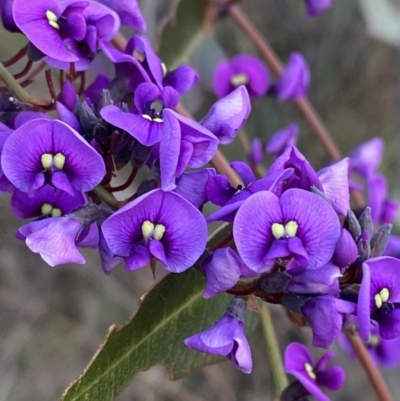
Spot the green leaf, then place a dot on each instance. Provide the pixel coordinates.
(182, 33)
(171, 311)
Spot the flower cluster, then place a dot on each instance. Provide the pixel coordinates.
(293, 237)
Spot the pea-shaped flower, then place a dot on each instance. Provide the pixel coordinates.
(299, 225)
(44, 152)
(160, 225)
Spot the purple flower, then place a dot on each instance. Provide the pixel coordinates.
(54, 239)
(346, 251)
(220, 192)
(299, 362)
(282, 139)
(299, 225)
(228, 115)
(325, 314)
(158, 224)
(226, 338)
(241, 70)
(304, 175)
(56, 154)
(367, 157)
(294, 82)
(315, 7)
(379, 298)
(335, 183)
(66, 31)
(223, 270)
(147, 125)
(255, 154)
(45, 202)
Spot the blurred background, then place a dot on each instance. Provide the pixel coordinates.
(53, 319)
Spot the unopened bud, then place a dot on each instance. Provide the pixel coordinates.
(380, 240)
(365, 221)
(352, 225)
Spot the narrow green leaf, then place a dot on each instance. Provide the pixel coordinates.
(182, 33)
(173, 310)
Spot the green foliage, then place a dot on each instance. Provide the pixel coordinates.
(171, 311)
(182, 32)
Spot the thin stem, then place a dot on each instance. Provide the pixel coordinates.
(16, 58)
(106, 197)
(50, 85)
(17, 89)
(277, 67)
(274, 354)
(369, 366)
(33, 74)
(26, 69)
(82, 83)
(126, 184)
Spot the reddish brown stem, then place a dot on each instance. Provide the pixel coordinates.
(26, 69)
(50, 85)
(127, 184)
(17, 57)
(61, 78)
(72, 72)
(277, 67)
(224, 242)
(369, 366)
(82, 83)
(33, 74)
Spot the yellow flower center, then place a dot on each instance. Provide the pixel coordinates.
(49, 161)
(381, 297)
(52, 19)
(280, 231)
(239, 79)
(47, 210)
(310, 371)
(151, 230)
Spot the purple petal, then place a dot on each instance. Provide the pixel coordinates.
(363, 305)
(377, 191)
(54, 239)
(282, 139)
(222, 272)
(95, 90)
(145, 131)
(228, 115)
(333, 379)
(222, 79)
(346, 251)
(27, 205)
(309, 211)
(31, 18)
(108, 261)
(68, 117)
(252, 231)
(335, 182)
(169, 151)
(183, 79)
(219, 190)
(89, 237)
(255, 154)
(294, 82)
(240, 356)
(367, 157)
(315, 7)
(140, 256)
(245, 172)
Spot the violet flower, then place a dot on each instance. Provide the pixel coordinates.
(45, 202)
(66, 31)
(299, 362)
(61, 157)
(56, 238)
(220, 192)
(325, 313)
(295, 80)
(223, 270)
(160, 225)
(367, 157)
(299, 225)
(244, 70)
(379, 298)
(226, 337)
(5, 184)
(346, 251)
(314, 7)
(282, 139)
